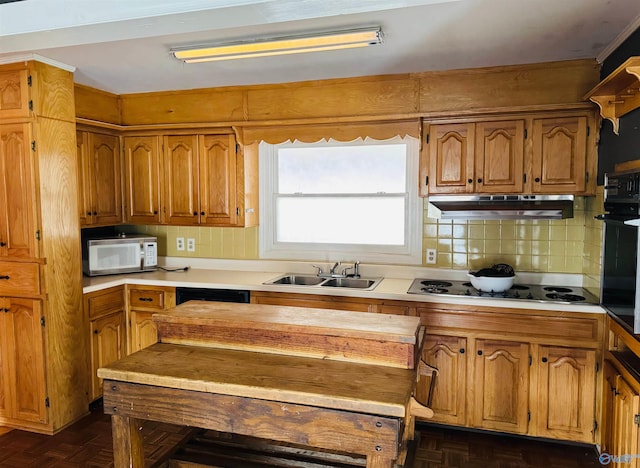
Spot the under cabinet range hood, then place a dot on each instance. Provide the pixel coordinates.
(500, 206)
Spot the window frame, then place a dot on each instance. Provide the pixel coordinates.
(409, 253)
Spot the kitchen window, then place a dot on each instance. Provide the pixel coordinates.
(330, 200)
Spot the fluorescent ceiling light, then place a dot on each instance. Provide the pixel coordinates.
(280, 46)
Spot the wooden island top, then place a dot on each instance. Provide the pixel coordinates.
(288, 374)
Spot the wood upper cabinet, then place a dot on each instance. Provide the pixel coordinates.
(559, 155)
(100, 181)
(566, 393)
(552, 153)
(22, 386)
(14, 93)
(200, 180)
(142, 168)
(500, 390)
(448, 354)
(483, 157)
(499, 157)
(17, 193)
(451, 159)
(218, 180)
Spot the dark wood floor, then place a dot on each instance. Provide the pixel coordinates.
(88, 444)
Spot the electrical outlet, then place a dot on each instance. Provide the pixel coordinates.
(180, 243)
(191, 244)
(431, 256)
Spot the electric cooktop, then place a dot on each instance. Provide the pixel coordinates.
(524, 292)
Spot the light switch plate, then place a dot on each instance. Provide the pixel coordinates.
(179, 243)
(191, 244)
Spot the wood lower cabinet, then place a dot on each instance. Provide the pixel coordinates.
(143, 302)
(516, 371)
(448, 354)
(22, 385)
(500, 386)
(565, 392)
(105, 311)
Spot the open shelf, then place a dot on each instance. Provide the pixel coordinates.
(619, 93)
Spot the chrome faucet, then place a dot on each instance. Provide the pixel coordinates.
(335, 273)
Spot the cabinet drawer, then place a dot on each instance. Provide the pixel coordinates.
(19, 279)
(105, 303)
(146, 299)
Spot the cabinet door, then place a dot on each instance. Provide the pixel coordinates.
(608, 411)
(566, 393)
(142, 180)
(14, 94)
(451, 158)
(17, 193)
(26, 359)
(500, 389)
(625, 432)
(84, 179)
(499, 157)
(7, 383)
(448, 355)
(181, 180)
(106, 180)
(107, 345)
(143, 330)
(315, 301)
(218, 180)
(559, 155)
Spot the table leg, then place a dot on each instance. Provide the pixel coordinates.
(378, 461)
(127, 442)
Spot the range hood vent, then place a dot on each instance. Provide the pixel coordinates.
(500, 207)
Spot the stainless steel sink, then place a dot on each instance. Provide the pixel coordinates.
(294, 279)
(354, 283)
(300, 280)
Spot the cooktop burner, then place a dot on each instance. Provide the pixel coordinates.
(527, 292)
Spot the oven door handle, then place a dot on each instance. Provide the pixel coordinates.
(618, 220)
(633, 222)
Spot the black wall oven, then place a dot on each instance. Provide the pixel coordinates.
(620, 293)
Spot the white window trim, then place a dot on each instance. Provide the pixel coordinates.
(410, 254)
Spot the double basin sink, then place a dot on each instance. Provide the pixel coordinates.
(311, 280)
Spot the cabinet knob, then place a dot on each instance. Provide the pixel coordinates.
(3, 244)
(195, 213)
(544, 359)
(88, 213)
(6, 310)
(202, 213)
(537, 179)
(480, 353)
(155, 212)
(95, 332)
(461, 350)
(479, 181)
(470, 181)
(95, 213)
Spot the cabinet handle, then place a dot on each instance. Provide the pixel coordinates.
(6, 277)
(6, 310)
(461, 350)
(480, 353)
(537, 179)
(470, 181)
(146, 299)
(479, 181)
(544, 359)
(95, 213)
(155, 212)
(202, 213)
(88, 213)
(3, 244)
(195, 213)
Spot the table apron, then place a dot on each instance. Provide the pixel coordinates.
(322, 428)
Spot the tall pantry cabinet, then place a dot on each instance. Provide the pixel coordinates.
(44, 372)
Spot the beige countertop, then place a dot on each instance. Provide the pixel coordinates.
(394, 286)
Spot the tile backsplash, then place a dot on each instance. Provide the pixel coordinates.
(559, 246)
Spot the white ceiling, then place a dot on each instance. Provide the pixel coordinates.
(122, 46)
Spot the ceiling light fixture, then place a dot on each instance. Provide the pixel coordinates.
(280, 45)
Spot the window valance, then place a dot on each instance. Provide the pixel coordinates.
(311, 133)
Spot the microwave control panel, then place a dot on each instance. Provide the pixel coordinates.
(150, 254)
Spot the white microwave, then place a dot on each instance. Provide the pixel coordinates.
(115, 255)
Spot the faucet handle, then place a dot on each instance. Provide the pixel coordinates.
(319, 272)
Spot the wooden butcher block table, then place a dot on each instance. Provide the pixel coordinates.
(326, 379)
